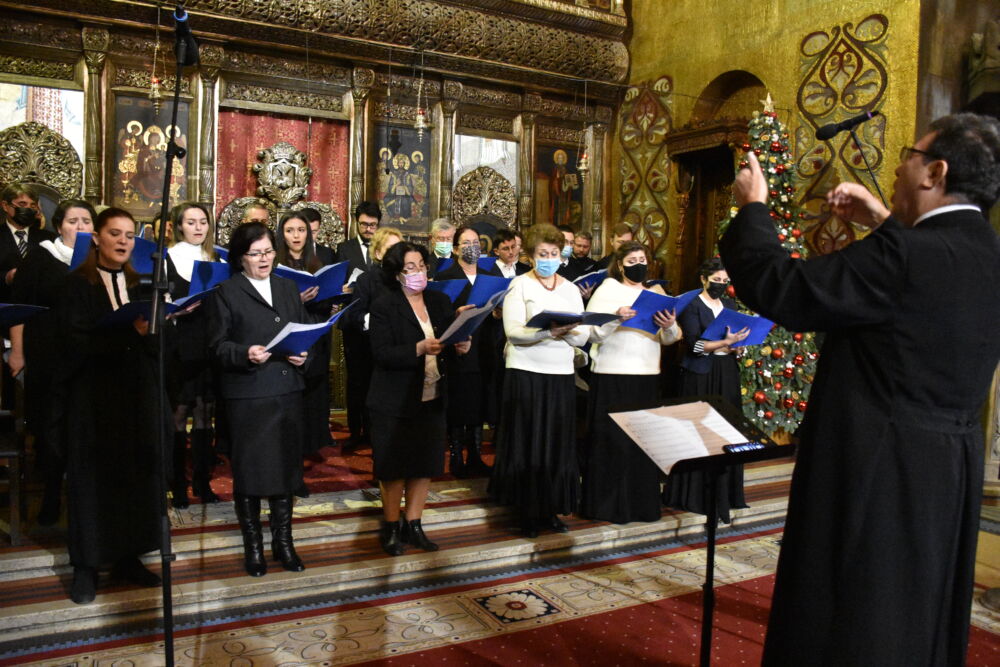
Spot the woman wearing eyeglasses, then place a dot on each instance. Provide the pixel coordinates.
(708, 367)
(262, 393)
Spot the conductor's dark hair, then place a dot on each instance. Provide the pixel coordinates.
(243, 237)
(970, 144)
(394, 260)
(368, 208)
(710, 266)
(66, 204)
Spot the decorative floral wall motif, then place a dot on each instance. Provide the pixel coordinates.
(843, 74)
(645, 165)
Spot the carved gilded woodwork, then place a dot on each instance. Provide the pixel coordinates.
(282, 174)
(486, 97)
(232, 216)
(363, 79)
(236, 92)
(498, 124)
(561, 135)
(382, 109)
(34, 33)
(32, 152)
(45, 69)
(287, 68)
(211, 56)
(526, 168)
(484, 190)
(95, 45)
(128, 77)
(331, 226)
(406, 86)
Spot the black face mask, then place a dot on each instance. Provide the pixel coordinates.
(636, 272)
(25, 217)
(716, 290)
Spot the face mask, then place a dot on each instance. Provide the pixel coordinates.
(470, 254)
(24, 216)
(547, 267)
(636, 272)
(715, 290)
(566, 251)
(442, 248)
(415, 282)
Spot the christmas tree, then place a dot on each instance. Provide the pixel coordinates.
(776, 376)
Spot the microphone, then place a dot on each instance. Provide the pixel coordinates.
(830, 131)
(186, 48)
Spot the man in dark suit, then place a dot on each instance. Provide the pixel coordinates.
(357, 351)
(505, 248)
(580, 262)
(21, 231)
(324, 253)
(619, 235)
(878, 554)
(442, 235)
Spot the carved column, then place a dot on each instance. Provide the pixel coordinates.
(526, 170)
(363, 79)
(211, 60)
(450, 94)
(95, 51)
(597, 135)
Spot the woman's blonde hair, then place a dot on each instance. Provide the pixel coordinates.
(379, 239)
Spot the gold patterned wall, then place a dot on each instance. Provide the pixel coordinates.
(698, 44)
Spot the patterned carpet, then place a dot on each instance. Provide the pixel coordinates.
(634, 608)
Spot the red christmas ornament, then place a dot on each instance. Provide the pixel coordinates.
(788, 373)
(773, 214)
(801, 406)
(768, 415)
(756, 152)
(779, 169)
(797, 337)
(731, 291)
(796, 233)
(788, 403)
(798, 360)
(759, 397)
(795, 255)
(788, 415)
(782, 237)
(788, 216)
(758, 364)
(778, 386)
(744, 164)
(761, 373)
(746, 148)
(777, 353)
(775, 147)
(774, 193)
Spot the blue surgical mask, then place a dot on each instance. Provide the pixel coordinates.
(567, 251)
(442, 248)
(547, 267)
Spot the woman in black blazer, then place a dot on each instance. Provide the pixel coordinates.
(407, 395)
(262, 394)
(708, 367)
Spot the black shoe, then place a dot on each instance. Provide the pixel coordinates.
(413, 533)
(206, 494)
(391, 539)
(557, 525)
(134, 572)
(281, 534)
(302, 491)
(248, 513)
(84, 587)
(529, 528)
(455, 464)
(475, 466)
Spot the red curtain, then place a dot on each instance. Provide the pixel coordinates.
(325, 143)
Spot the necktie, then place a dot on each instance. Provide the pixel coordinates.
(22, 242)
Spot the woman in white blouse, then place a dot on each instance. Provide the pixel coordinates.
(536, 469)
(620, 482)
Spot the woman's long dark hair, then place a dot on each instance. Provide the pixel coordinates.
(309, 259)
(89, 267)
(65, 205)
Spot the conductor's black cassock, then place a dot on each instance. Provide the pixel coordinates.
(263, 401)
(876, 564)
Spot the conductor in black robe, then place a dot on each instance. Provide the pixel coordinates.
(877, 559)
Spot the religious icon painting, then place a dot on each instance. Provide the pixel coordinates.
(140, 157)
(558, 187)
(403, 175)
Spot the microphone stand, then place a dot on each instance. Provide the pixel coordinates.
(156, 327)
(871, 174)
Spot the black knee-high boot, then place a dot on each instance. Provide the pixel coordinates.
(475, 465)
(178, 488)
(281, 533)
(202, 460)
(455, 465)
(248, 513)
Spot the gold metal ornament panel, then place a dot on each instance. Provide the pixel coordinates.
(844, 72)
(139, 78)
(32, 152)
(331, 226)
(282, 174)
(242, 92)
(46, 69)
(484, 190)
(488, 123)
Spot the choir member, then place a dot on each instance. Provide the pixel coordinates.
(466, 407)
(442, 242)
(19, 203)
(107, 419)
(192, 381)
(619, 234)
(580, 262)
(407, 397)
(506, 248)
(257, 211)
(36, 342)
(261, 393)
(620, 482)
(708, 367)
(371, 284)
(357, 354)
(536, 469)
(325, 254)
(566, 269)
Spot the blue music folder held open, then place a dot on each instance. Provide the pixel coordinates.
(760, 327)
(81, 247)
(452, 288)
(295, 338)
(485, 288)
(547, 318)
(206, 275)
(648, 303)
(484, 263)
(142, 255)
(330, 279)
(592, 279)
(466, 323)
(12, 314)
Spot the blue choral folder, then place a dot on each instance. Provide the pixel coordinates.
(206, 275)
(142, 255)
(469, 320)
(547, 318)
(648, 303)
(81, 247)
(295, 338)
(760, 327)
(330, 279)
(12, 314)
(485, 263)
(452, 288)
(592, 279)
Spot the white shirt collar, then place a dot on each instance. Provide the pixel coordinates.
(946, 209)
(14, 230)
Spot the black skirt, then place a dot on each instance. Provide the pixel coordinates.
(536, 468)
(620, 482)
(316, 420)
(688, 491)
(465, 399)
(266, 437)
(409, 447)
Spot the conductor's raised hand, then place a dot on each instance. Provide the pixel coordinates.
(430, 346)
(258, 354)
(750, 185)
(297, 359)
(854, 203)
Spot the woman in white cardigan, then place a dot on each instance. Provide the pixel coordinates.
(620, 482)
(536, 469)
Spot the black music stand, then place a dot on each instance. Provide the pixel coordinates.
(714, 465)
